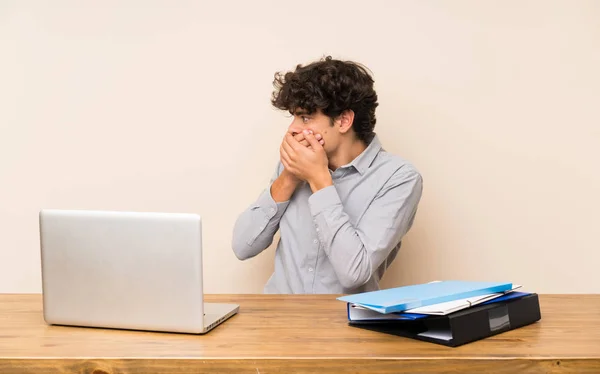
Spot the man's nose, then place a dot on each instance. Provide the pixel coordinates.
(294, 128)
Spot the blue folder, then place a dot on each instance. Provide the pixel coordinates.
(399, 299)
(400, 316)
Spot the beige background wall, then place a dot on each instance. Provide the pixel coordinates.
(164, 106)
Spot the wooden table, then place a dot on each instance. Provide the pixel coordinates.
(294, 334)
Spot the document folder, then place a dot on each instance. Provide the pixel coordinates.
(503, 314)
(400, 299)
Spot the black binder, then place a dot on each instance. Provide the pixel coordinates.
(466, 325)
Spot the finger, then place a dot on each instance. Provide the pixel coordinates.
(285, 160)
(286, 165)
(282, 153)
(314, 143)
(300, 139)
(319, 137)
(292, 143)
(288, 148)
(299, 136)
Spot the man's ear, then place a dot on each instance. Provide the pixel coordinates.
(345, 120)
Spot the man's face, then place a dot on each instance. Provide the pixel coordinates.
(319, 123)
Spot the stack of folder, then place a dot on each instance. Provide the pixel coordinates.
(450, 313)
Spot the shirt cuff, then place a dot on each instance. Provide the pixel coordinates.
(270, 207)
(323, 199)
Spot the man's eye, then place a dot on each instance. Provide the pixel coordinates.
(305, 119)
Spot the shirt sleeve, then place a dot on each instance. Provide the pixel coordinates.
(356, 252)
(255, 228)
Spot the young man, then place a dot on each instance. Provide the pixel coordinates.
(342, 203)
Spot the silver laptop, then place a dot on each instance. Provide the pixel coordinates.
(126, 270)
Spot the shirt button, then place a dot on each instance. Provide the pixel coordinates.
(316, 241)
(317, 229)
(310, 269)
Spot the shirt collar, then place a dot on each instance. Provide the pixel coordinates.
(365, 159)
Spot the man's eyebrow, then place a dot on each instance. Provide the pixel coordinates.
(300, 112)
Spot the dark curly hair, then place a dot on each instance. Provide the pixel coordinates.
(332, 86)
